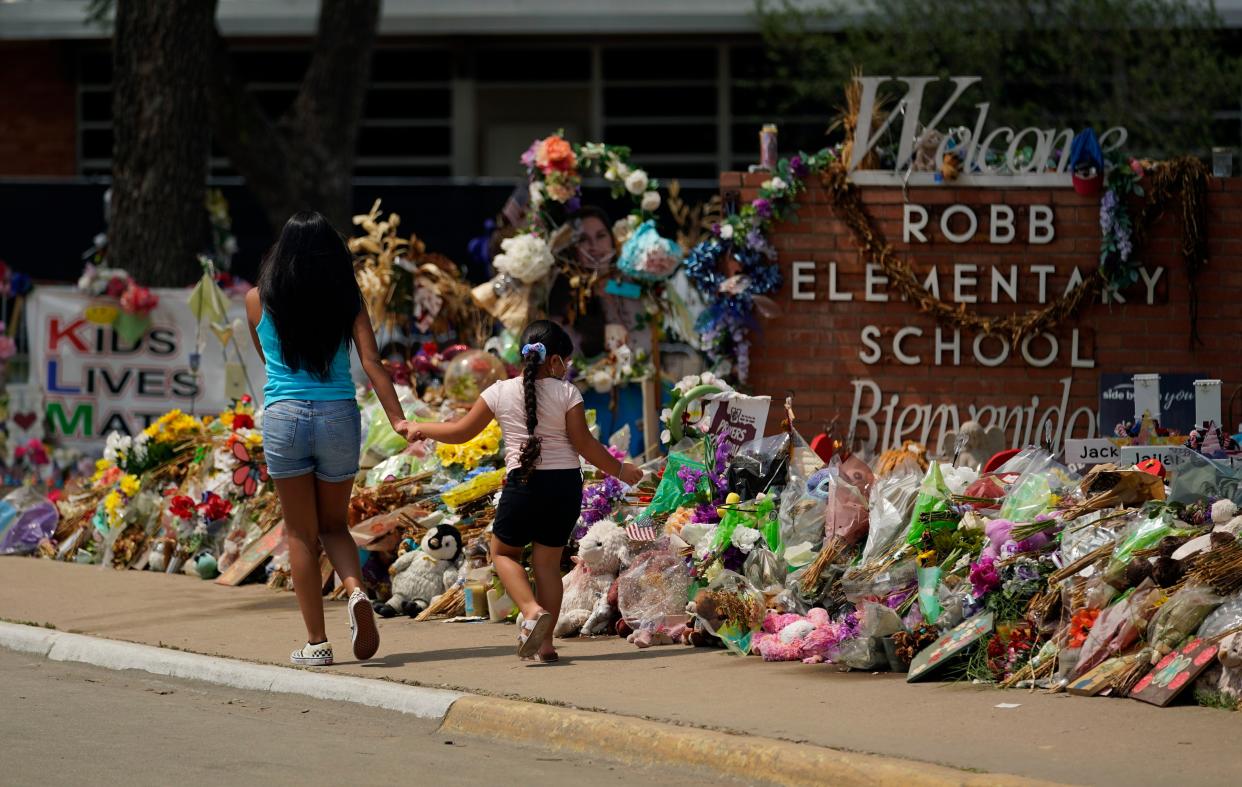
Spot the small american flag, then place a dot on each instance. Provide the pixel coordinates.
(641, 531)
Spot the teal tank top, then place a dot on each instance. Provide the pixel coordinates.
(284, 383)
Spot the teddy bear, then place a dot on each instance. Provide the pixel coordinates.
(789, 637)
(601, 554)
(421, 575)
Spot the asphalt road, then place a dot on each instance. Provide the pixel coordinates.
(76, 724)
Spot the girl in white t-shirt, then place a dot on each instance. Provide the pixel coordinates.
(542, 497)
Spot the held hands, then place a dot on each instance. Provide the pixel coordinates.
(630, 473)
(407, 429)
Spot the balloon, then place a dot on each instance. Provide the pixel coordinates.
(470, 373)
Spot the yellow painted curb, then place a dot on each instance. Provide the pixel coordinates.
(641, 742)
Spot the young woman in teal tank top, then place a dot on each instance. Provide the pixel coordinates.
(304, 316)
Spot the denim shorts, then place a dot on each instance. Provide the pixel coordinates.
(301, 437)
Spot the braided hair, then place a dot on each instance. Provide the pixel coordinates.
(555, 342)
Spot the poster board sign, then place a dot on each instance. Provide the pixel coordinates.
(93, 381)
(954, 643)
(1177, 400)
(736, 419)
(1175, 672)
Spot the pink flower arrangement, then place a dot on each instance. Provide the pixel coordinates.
(984, 578)
(136, 299)
(551, 154)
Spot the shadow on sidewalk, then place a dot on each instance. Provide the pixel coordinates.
(629, 655)
(426, 656)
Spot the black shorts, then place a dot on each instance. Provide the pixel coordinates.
(544, 509)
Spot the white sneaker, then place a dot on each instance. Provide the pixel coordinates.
(313, 655)
(362, 626)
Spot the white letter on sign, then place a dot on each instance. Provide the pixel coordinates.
(958, 237)
(908, 360)
(909, 228)
(964, 276)
(801, 277)
(874, 277)
(1041, 225)
(1002, 219)
(833, 295)
(873, 353)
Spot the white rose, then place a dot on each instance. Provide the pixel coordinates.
(651, 201)
(726, 232)
(601, 381)
(536, 195)
(776, 184)
(636, 182)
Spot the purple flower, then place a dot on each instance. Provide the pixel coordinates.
(984, 577)
(798, 167)
(763, 208)
(705, 514)
(690, 478)
(528, 158)
(573, 204)
(732, 558)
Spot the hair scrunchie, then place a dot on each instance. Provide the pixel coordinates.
(537, 348)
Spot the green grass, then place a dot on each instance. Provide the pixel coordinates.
(1212, 698)
(30, 623)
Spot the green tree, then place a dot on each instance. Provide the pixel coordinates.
(1161, 68)
(175, 88)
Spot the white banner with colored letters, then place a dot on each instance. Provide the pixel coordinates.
(93, 381)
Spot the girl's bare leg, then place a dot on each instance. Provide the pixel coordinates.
(297, 502)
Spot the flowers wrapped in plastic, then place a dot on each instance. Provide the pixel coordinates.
(732, 610)
(1180, 617)
(648, 257)
(1117, 628)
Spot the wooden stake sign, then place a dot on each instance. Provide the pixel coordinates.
(952, 644)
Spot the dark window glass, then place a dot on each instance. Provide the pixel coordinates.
(97, 143)
(392, 102)
(411, 65)
(664, 64)
(664, 139)
(274, 103)
(418, 141)
(403, 170)
(657, 101)
(553, 64)
(96, 67)
(97, 105)
(272, 65)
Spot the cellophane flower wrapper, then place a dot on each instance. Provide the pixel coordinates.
(765, 570)
(891, 502)
(802, 511)
(1181, 616)
(655, 586)
(646, 256)
(1225, 617)
(933, 499)
(1143, 533)
(1030, 496)
(671, 494)
(846, 517)
(737, 631)
(1116, 629)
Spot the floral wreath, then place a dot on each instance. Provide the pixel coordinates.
(555, 167)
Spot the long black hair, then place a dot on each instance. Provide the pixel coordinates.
(555, 342)
(308, 288)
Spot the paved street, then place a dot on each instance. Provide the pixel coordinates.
(76, 724)
(1060, 738)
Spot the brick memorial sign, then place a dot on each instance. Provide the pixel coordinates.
(854, 352)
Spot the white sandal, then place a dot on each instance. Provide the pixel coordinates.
(532, 633)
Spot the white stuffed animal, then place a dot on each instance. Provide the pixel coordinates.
(420, 576)
(601, 553)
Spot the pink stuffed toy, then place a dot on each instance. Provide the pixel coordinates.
(788, 637)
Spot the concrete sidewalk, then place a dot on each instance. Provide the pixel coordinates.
(1061, 738)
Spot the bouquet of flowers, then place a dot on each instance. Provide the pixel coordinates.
(648, 257)
(469, 454)
(525, 257)
(554, 159)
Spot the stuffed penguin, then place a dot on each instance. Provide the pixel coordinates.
(422, 575)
